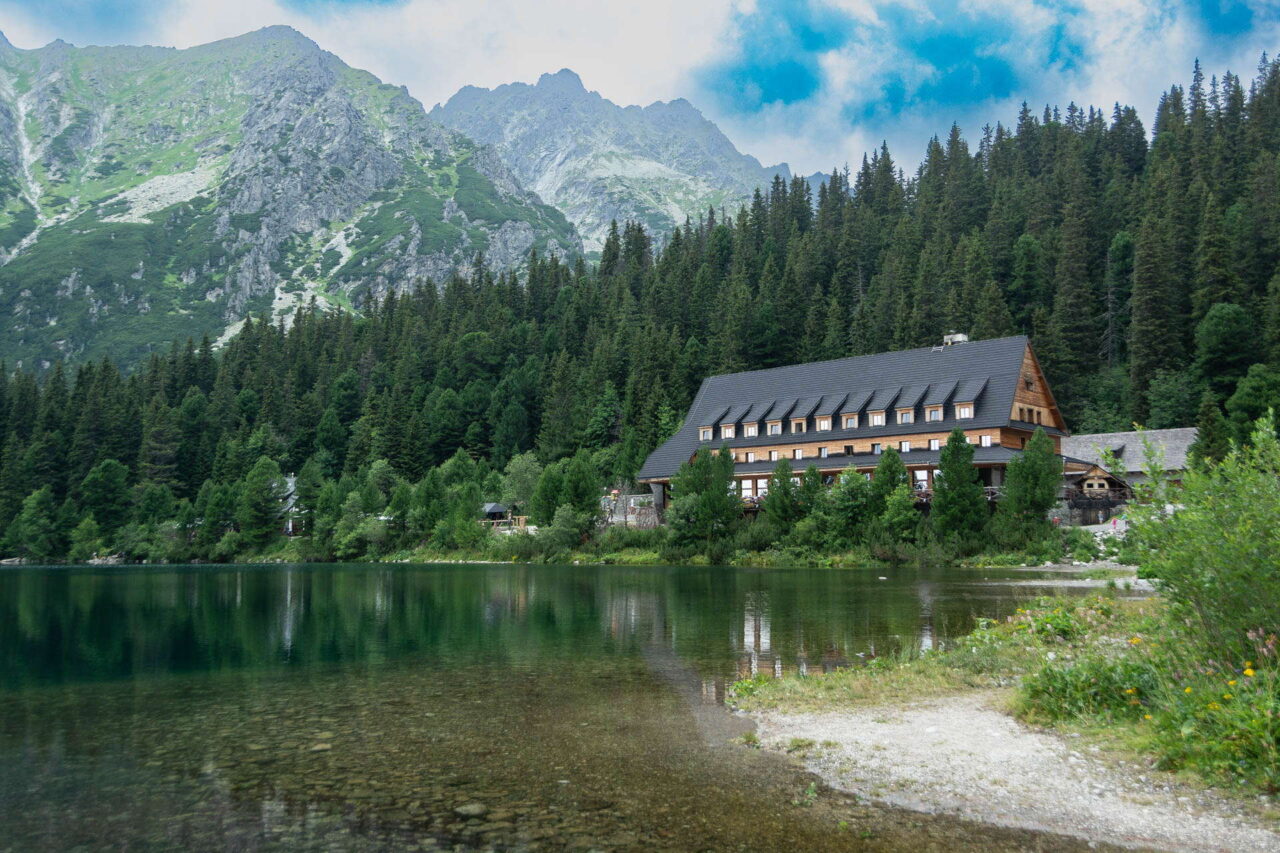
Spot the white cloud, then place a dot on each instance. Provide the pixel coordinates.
(640, 52)
(631, 52)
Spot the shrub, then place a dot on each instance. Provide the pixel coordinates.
(1217, 555)
(1091, 686)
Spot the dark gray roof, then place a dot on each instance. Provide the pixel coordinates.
(883, 398)
(856, 402)
(831, 404)
(781, 409)
(939, 393)
(971, 389)
(735, 414)
(910, 397)
(805, 407)
(756, 413)
(1128, 447)
(993, 365)
(493, 507)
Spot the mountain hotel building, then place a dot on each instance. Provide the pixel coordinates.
(842, 414)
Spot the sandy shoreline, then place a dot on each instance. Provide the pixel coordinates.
(962, 755)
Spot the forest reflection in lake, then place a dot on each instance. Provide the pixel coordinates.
(518, 707)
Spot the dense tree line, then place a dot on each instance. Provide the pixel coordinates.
(1146, 267)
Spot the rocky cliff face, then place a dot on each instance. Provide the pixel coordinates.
(149, 193)
(597, 161)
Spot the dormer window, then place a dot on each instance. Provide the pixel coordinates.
(750, 430)
(823, 425)
(704, 434)
(906, 416)
(933, 414)
(851, 421)
(877, 419)
(726, 430)
(964, 410)
(798, 425)
(775, 427)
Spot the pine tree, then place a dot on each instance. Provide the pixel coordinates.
(258, 511)
(1213, 436)
(1154, 343)
(34, 533)
(959, 506)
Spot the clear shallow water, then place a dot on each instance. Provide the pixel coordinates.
(360, 707)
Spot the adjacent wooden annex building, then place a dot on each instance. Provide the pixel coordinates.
(844, 413)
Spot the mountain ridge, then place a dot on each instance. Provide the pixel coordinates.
(598, 161)
(149, 193)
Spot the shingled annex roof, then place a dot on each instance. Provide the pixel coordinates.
(988, 370)
(1127, 446)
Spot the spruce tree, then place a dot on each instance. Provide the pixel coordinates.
(258, 510)
(958, 510)
(1213, 436)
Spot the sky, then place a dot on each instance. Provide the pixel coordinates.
(815, 83)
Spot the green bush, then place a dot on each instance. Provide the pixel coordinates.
(1091, 687)
(1217, 555)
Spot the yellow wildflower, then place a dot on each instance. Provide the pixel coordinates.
(1131, 690)
(1213, 706)
(1146, 716)
(1187, 690)
(1226, 695)
(1248, 673)
(1133, 641)
(1231, 683)
(1248, 664)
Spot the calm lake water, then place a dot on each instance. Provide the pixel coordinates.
(422, 707)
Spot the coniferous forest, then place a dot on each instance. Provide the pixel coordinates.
(1143, 261)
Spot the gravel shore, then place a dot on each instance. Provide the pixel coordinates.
(961, 755)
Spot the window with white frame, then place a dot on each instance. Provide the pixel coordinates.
(875, 447)
(877, 418)
(773, 456)
(964, 410)
(726, 430)
(751, 456)
(822, 452)
(762, 487)
(798, 425)
(986, 441)
(904, 447)
(775, 428)
(935, 443)
(850, 421)
(906, 416)
(750, 430)
(933, 414)
(823, 424)
(704, 434)
(798, 453)
(748, 488)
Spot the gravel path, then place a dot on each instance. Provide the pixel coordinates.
(959, 754)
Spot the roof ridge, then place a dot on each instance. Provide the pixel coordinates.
(967, 344)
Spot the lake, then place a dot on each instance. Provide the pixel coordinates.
(371, 707)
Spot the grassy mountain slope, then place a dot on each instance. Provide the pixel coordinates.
(147, 194)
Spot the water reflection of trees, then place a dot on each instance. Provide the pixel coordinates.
(68, 625)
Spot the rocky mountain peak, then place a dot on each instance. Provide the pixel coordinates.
(564, 81)
(597, 161)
